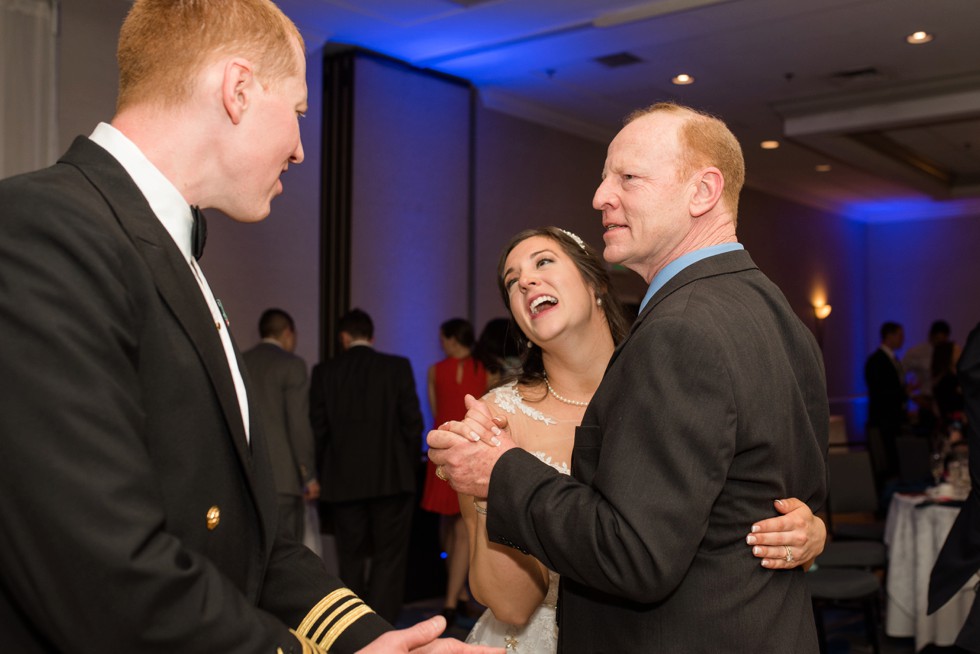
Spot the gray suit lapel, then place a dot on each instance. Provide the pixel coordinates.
(720, 264)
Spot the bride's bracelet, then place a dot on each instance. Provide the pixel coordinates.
(480, 508)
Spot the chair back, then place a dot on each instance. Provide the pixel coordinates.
(850, 483)
(838, 430)
(914, 456)
(876, 449)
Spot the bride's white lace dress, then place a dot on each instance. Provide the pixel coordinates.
(538, 636)
(551, 441)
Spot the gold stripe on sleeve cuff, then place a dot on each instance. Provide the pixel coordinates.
(312, 618)
(331, 617)
(341, 625)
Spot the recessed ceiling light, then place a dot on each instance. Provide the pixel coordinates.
(769, 145)
(823, 168)
(682, 79)
(916, 38)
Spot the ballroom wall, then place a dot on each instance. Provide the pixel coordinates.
(410, 204)
(813, 254)
(87, 73)
(528, 176)
(411, 267)
(921, 270)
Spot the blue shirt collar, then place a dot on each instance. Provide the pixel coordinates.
(680, 263)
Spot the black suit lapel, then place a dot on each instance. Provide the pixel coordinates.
(173, 277)
(180, 291)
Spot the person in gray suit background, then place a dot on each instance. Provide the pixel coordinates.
(368, 429)
(713, 405)
(281, 395)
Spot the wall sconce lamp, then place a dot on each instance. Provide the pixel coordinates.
(820, 311)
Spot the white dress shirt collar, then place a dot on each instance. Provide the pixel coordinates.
(170, 207)
(360, 342)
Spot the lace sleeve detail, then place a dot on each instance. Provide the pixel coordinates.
(560, 467)
(509, 399)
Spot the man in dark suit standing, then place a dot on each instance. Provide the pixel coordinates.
(368, 428)
(282, 396)
(887, 395)
(959, 559)
(136, 496)
(714, 404)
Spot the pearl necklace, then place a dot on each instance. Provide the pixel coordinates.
(562, 398)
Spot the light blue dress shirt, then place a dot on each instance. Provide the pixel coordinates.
(680, 263)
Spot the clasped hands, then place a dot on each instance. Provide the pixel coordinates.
(466, 450)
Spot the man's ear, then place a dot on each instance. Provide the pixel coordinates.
(236, 87)
(709, 185)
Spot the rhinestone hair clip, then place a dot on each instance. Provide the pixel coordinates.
(575, 238)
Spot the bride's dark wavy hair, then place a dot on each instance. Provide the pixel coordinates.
(593, 272)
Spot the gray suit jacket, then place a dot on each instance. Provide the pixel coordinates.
(713, 406)
(281, 397)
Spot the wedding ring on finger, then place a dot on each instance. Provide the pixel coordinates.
(789, 553)
(440, 474)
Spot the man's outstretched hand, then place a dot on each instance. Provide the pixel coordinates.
(423, 638)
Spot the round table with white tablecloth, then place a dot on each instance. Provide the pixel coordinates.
(914, 533)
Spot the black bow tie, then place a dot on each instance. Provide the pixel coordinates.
(199, 233)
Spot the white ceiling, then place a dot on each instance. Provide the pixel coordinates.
(833, 80)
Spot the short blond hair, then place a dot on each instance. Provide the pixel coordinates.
(705, 141)
(163, 44)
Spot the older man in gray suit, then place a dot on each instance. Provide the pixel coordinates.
(713, 405)
(279, 380)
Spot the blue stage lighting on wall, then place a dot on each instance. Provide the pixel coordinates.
(899, 209)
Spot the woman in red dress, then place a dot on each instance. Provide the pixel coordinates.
(450, 380)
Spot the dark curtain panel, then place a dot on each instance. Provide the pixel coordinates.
(335, 202)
